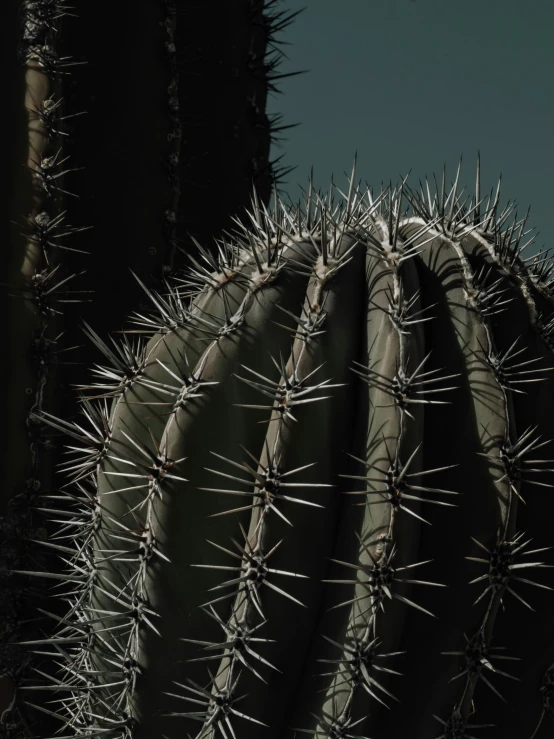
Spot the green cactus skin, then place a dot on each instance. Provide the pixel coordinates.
(314, 495)
(157, 101)
(32, 360)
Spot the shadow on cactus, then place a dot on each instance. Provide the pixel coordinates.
(311, 492)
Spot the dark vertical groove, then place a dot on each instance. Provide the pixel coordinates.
(167, 131)
(139, 91)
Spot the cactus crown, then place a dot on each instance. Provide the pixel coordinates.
(367, 384)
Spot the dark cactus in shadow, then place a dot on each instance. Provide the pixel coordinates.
(136, 133)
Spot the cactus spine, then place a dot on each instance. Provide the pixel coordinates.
(31, 368)
(349, 395)
(174, 93)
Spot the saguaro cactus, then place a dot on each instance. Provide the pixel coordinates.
(308, 496)
(134, 131)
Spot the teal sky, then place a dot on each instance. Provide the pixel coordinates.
(412, 85)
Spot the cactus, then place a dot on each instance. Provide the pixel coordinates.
(311, 489)
(121, 120)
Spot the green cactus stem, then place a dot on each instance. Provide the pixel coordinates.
(39, 287)
(135, 129)
(310, 492)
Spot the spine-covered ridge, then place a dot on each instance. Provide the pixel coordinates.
(41, 287)
(154, 152)
(309, 492)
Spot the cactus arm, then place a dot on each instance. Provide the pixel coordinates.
(34, 282)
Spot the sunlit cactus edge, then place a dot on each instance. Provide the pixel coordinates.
(310, 489)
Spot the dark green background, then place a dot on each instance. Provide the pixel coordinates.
(412, 84)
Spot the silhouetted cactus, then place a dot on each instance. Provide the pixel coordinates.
(354, 401)
(135, 129)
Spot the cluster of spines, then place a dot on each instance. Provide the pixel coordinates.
(265, 68)
(380, 572)
(46, 281)
(506, 451)
(451, 220)
(377, 580)
(455, 222)
(127, 367)
(271, 483)
(89, 712)
(390, 248)
(43, 294)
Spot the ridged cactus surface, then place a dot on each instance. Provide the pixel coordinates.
(311, 491)
(135, 130)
